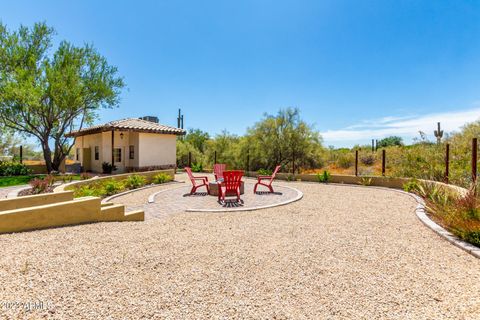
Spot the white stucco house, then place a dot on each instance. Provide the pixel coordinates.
(131, 144)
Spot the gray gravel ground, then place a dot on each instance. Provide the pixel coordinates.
(339, 253)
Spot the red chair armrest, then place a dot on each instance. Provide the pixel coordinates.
(264, 177)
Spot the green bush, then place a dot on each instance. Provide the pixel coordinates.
(161, 178)
(323, 177)
(9, 168)
(346, 160)
(135, 181)
(197, 167)
(473, 237)
(411, 185)
(94, 190)
(264, 172)
(111, 187)
(108, 168)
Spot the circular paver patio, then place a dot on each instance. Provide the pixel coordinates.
(179, 199)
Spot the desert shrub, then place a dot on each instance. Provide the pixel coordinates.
(93, 190)
(85, 176)
(458, 213)
(49, 179)
(346, 160)
(365, 181)
(9, 168)
(66, 178)
(161, 178)
(367, 159)
(411, 185)
(264, 172)
(323, 177)
(108, 168)
(135, 181)
(39, 185)
(112, 186)
(197, 167)
(473, 237)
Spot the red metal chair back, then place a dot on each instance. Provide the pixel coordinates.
(232, 180)
(218, 169)
(190, 174)
(277, 168)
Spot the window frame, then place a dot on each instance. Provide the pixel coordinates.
(131, 152)
(96, 153)
(119, 155)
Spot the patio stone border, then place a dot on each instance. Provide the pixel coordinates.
(151, 199)
(421, 213)
(107, 199)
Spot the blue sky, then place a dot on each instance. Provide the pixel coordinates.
(356, 69)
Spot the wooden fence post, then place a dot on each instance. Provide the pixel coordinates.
(293, 162)
(447, 163)
(474, 159)
(384, 159)
(21, 154)
(373, 145)
(215, 161)
(248, 162)
(189, 159)
(356, 163)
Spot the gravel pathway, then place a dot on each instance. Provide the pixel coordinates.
(340, 253)
(6, 190)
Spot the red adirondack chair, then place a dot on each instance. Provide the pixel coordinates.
(231, 184)
(195, 186)
(269, 178)
(218, 169)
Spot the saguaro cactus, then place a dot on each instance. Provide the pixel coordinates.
(438, 133)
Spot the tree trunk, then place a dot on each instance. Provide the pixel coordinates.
(47, 155)
(57, 160)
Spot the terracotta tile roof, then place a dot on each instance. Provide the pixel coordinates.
(130, 124)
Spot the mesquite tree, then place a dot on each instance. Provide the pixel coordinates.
(47, 95)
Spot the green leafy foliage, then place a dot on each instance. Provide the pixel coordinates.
(264, 172)
(323, 177)
(45, 94)
(9, 168)
(112, 187)
(390, 142)
(135, 181)
(411, 185)
(460, 213)
(161, 178)
(197, 167)
(281, 139)
(108, 168)
(366, 181)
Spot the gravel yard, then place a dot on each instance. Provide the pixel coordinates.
(341, 252)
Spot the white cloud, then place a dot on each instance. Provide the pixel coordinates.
(406, 126)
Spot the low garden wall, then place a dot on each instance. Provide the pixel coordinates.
(58, 209)
(35, 200)
(387, 182)
(147, 174)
